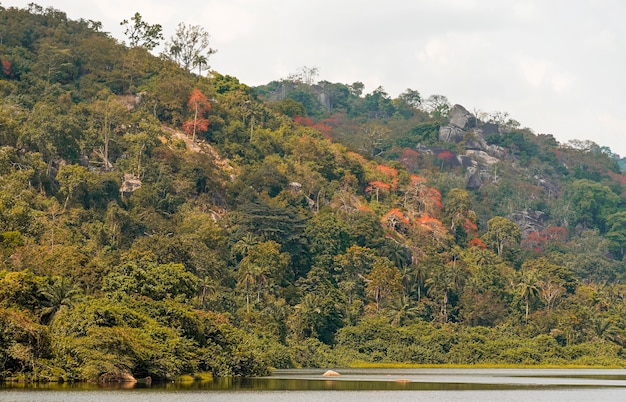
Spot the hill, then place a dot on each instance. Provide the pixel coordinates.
(158, 221)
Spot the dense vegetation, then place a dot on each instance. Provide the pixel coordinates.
(158, 221)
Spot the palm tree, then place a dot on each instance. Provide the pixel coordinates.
(440, 283)
(401, 311)
(62, 293)
(277, 314)
(397, 253)
(528, 289)
(308, 316)
(206, 288)
(243, 246)
(247, 279)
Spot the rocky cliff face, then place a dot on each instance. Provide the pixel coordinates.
(464, 128)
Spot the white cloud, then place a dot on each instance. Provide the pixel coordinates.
(436, 51)
(562, 82)
(534, 71)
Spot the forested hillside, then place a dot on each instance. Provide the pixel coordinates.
(160, 219)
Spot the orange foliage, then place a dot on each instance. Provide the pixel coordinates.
(429, 222)
(322, 127)
(447, 155)
(534, 241)
(6, 67)
(395, 220)
(538, 240)
(200, 105)
(556, 234)
(410, 159)
(201, 125)
(415, 180)
(198, 102)
(476, 242)
(391, 173)
(618, 177)
(377, 185)
(470, 226)
(303, 121)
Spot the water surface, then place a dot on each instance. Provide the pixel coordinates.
(360, 385)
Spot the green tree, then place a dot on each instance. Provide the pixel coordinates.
(142, 34)
(528, 289)
(592, 202)
(74, 180)
(501, 232)
(61, 293)
(384, 282)
(616, 233)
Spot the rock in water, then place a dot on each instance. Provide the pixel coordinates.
(331, 373)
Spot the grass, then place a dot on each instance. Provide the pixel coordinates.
(391, 365)
(195, 377)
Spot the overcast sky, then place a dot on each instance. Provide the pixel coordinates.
(557, 67)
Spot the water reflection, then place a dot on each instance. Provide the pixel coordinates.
(378, 380)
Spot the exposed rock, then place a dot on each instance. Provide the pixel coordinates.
(461, 118)
(548, 185)
(529, 220)
(460, 122)
(295, 186)
(331, 373)
(473, 180)
(451, 133)
(126, 377)
(483, 156)
(489, 128)
(130, 184)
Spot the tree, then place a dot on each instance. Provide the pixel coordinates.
(617, 232)
(438, 106)
(458, 211)
(106, 117)
(61, 293)
(142, 34)
(73, 179)
(200, 105)
(500, 233)
(189, 46)
(528, 288)
(383, 282)
(592, 202)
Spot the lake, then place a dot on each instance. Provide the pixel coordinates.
(360, 385)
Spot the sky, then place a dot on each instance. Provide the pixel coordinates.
(555, 66)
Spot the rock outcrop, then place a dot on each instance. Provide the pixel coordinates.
(529, 221)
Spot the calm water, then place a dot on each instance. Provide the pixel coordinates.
(356, 385)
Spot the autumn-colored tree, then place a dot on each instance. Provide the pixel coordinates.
(445, 157)
(395, 220)
(476, 242)
(410, 159)
(375, 187)
(421, 200)
(390, 173)
(200, 105)
(534, 241)
(6, 67)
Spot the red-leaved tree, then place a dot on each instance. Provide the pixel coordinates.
(200, 105)
(6, 67)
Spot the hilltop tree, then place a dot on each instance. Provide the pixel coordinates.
(189, 46)
(142, 34)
